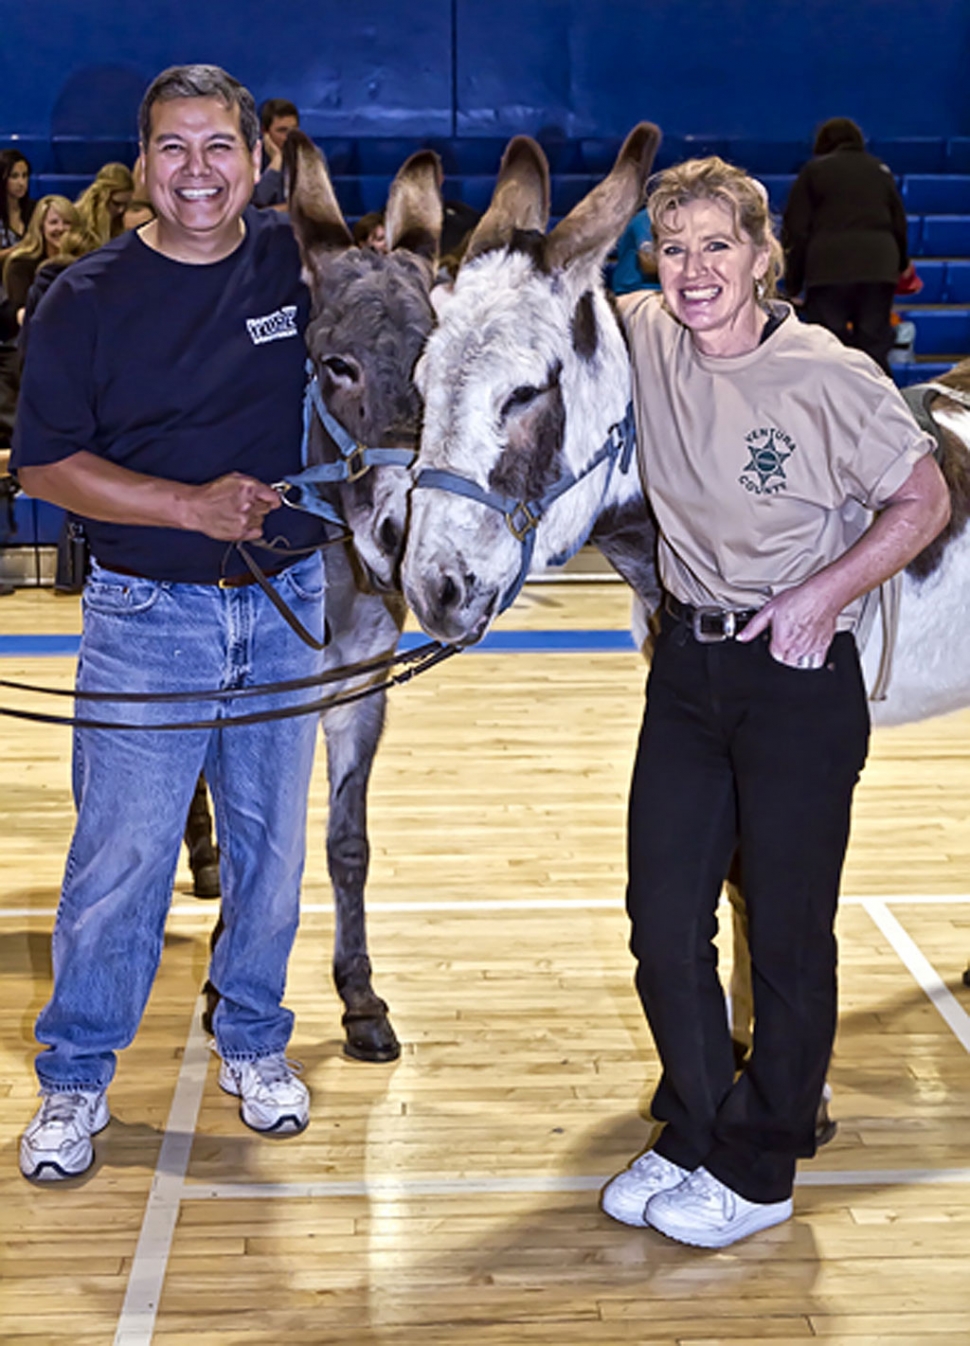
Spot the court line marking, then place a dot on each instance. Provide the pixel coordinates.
(207, 909)
(406, 1188)
(922, 970)
(136, 1323)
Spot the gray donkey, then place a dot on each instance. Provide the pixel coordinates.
(369, 319)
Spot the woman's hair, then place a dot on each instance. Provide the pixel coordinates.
(714, 180)
(8, 162)
(93, 203)
(199, 81)
(835, 132)
(32, 245)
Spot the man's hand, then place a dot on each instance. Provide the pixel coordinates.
(231, 508)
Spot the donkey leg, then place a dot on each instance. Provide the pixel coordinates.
(203, 853)
(352, 735)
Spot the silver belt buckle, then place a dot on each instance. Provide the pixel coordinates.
(712, 625)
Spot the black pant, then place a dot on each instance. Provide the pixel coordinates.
(859, 314)
(739, 750)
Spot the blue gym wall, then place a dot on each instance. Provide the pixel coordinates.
(766, 68)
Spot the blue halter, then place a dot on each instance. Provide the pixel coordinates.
(299, 491)
(522, 517)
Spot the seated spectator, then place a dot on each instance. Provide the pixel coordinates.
(369, 231)
(51, 220)
(77, 242)
(636, 265)
(16, 207)
(140, 209)
(459, 224)
(277, 118)
(102, 205)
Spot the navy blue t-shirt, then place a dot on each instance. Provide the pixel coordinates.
(177, 371)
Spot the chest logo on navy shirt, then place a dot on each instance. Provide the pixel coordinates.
(274, 327)
(764, 472)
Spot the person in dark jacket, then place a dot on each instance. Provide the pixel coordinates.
(844, 235)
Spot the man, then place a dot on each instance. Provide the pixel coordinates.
(161, 395)
(277, 118)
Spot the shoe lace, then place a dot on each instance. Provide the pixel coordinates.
(708, 1188)
(61, 1108)
(276, 1069)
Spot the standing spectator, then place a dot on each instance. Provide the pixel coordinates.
(369, 232)
(103, 204)
(16, 207)
(162, 393)
(844, 236)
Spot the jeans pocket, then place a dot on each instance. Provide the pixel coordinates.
(305, 580)
(109, 594)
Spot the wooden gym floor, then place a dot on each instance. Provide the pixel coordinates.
(451, 1197)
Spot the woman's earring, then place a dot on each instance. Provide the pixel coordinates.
(759, 289)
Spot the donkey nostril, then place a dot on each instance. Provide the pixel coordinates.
(449, 592)
(390, 536)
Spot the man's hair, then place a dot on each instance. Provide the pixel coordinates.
(276, 107)
(199, 81)
(838, 131)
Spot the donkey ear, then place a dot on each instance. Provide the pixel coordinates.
(593, 226)
(520, 199)
(316, 218)
(415, 213)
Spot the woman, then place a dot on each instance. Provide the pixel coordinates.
(844, 235)
(16, 206)
(763, 443)
(51, 220)
(102, 205)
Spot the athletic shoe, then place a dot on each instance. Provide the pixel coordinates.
(273, 1099)
(57, 1143)
(705, 1212)
(625, 1197)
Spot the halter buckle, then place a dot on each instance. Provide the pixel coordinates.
(521, 530)
(357, 464)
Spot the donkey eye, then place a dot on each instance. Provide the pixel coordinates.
(340, 369)
(521, 397)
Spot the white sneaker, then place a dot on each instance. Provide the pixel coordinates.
(625, 1197)
(708, 1214)
(57, 1143)
(273, 1099)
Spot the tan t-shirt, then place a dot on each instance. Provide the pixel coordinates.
(761, 468)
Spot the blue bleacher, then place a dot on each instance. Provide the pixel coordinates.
(945, 236)
(933, 273)
(778, 186)
(940, 331)
(957, 283)
(958, 155)
(913, 154)
(936, 193)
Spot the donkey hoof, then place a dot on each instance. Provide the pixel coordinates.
(369, 1036)
(205, 880)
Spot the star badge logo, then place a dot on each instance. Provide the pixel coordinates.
(764, 472)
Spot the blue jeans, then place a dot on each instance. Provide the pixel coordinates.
(133, 790)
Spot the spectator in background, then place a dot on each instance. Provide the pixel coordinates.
(51, 220)
(844, 236)
(139, 209)
(16, 207)
(102, 206)
(369, 231)
(277, 118)
(636, 265)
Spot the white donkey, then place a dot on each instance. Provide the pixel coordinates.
(526, 385)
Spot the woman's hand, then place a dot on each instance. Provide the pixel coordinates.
(802, 623)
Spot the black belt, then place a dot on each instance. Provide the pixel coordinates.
(709, 625)
(224, 581)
